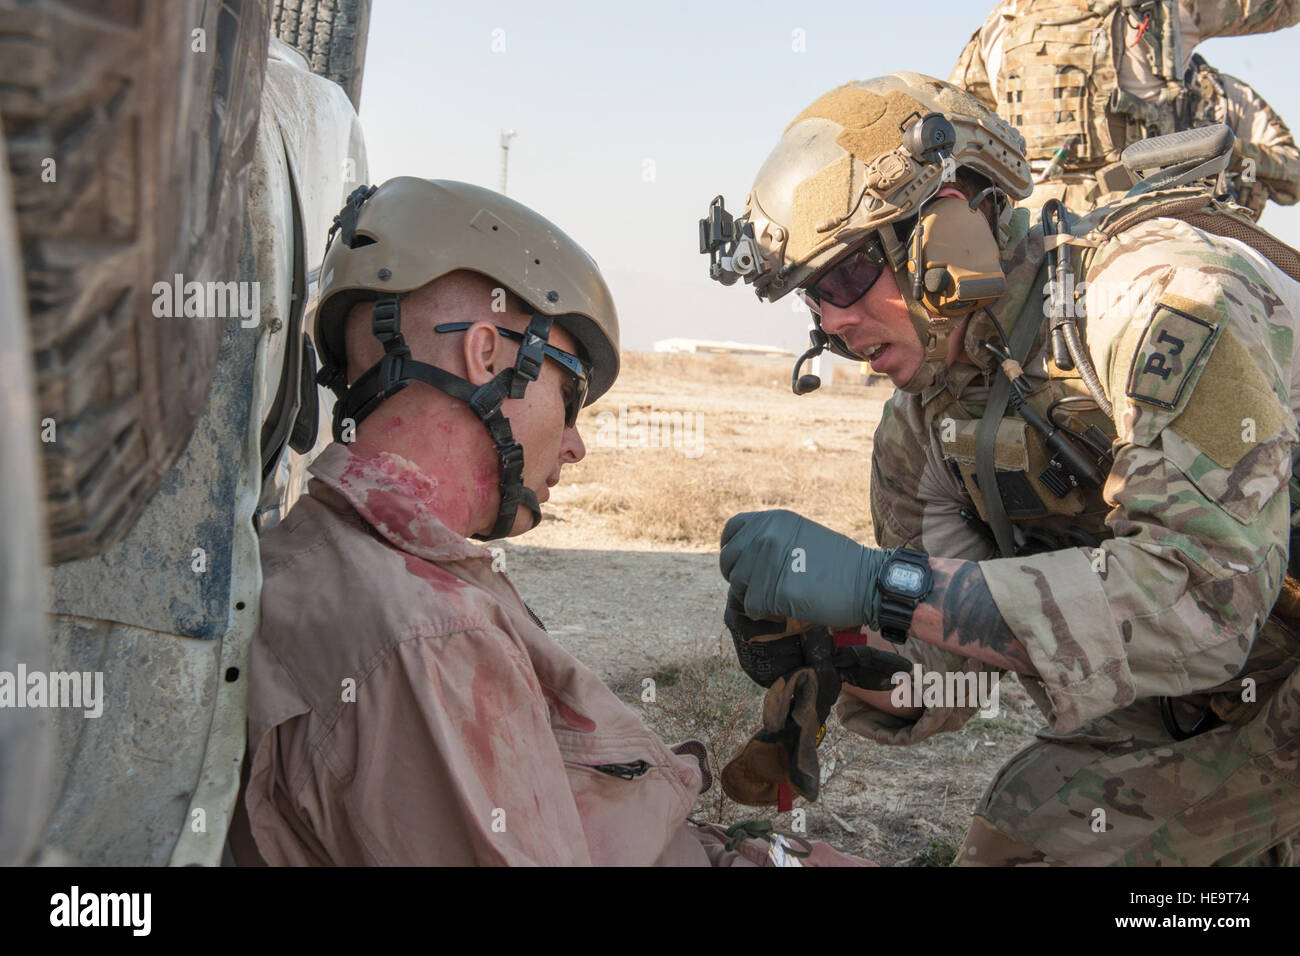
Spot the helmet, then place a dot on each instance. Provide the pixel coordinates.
(867, 155)
(410, 231)
(398, 237)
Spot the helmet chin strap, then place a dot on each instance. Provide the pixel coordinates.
(397, 369)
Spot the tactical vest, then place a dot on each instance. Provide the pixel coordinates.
(1032, 495)
(1043, 519)
(1045, 515)
(1058, 80)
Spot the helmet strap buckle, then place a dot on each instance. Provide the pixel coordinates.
(392, 372)
(532, 352)
(386, 324)
(386, 321)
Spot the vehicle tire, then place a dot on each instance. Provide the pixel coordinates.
(129, 129)
(331, 34)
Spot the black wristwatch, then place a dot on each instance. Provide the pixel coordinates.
(904, 583)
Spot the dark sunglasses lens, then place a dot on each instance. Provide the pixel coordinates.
(574, 401)
(848, 281)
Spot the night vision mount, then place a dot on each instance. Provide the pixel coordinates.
(729, 244)
(733, 254)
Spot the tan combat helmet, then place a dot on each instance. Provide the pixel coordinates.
(864, 156)
(393, 239)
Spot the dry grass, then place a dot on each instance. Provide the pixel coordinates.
(709, 698)
(638, 368)
(706, 698)
(762, 447)
(663, 497)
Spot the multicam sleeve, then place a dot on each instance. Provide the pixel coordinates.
(1228, 18)
(1200, 387)
(1264, 139)
(916, 502)
(971, 72)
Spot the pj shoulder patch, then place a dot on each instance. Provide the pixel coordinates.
(1169, 352)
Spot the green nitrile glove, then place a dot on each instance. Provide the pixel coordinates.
(784, 566)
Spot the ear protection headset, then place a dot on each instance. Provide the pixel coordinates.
(953, 263)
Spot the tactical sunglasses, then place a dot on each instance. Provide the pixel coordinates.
(847, 280)
(571, 363)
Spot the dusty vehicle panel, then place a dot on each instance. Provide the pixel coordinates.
(167, 612)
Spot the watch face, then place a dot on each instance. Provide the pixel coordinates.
(906, 579)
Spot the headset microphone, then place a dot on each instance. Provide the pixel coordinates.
(803, 384)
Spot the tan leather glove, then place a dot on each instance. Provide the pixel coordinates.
(795, 709)
(785, 750)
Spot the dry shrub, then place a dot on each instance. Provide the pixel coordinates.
(709, 698)
(660, 495)
(761, 448)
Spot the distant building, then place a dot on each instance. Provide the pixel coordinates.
(718, 348)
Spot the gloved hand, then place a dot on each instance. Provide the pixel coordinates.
(771, 649)
(868, 668)
(829, 579)
(766, 649)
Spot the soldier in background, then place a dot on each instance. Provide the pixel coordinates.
(1081, 81)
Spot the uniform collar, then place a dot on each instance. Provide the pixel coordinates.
(393, 496)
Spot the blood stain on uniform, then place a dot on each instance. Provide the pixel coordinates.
(392, 511)
(489, 714)
(568, 714)
(438, 579)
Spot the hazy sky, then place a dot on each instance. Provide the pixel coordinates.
(632, 116)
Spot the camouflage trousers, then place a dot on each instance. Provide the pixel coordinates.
(1121, 791)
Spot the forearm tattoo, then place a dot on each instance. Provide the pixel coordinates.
(971, 618)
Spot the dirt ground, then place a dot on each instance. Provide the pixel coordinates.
(624, 572)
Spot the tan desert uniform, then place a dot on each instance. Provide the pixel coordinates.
(406, 709)
(428, 719)
(1062, 70)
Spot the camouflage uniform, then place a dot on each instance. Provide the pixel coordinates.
(1191, 334)
(1123, 82)
(1262, 136)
